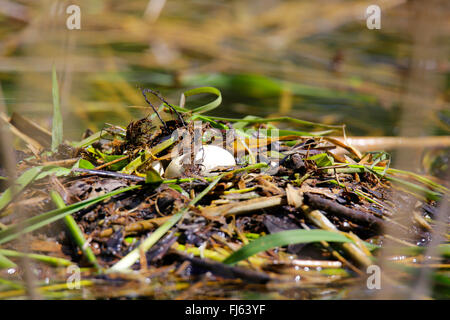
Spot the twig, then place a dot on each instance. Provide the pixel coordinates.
(111, 162)
(59, 163)
(110, 174)
(243, 206)
(151, 105)
(227, 271)
(158, 95)
(331, 207)
(322, 222)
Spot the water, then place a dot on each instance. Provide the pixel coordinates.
(314, 62)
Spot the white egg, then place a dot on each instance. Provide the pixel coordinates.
(158, 167)
(210, 157)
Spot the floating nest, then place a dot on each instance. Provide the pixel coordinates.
(299, 215)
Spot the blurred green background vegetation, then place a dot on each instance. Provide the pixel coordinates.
(314, 60)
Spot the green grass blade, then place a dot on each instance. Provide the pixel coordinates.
(413, 175)
(417, 189)
(5, 262)
(283, 133)
(284, 238)
(279, 119)
(421, 179)
(57, 125)
(89, 140)
(10, 284)
(153, 177)
(75, 231)
(53, 170)
(207, 107)
(322, 159)
(213, 123)
(83, 164)
(54, 261)
(43, 219)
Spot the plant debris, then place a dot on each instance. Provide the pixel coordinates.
(252, 223)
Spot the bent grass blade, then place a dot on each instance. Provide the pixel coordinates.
(205, 108)
(283, 238)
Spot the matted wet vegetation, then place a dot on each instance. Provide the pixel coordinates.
(301, 214)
